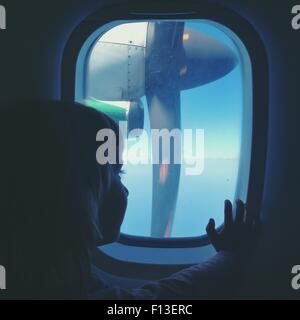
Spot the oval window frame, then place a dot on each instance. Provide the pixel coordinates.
(108, 17)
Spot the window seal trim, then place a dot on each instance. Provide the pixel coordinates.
(150, 242)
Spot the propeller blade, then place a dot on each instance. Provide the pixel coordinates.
(164, 114)
(163, 60)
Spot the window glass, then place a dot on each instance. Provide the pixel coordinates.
(182, 75)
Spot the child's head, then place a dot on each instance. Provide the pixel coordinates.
(59, 203)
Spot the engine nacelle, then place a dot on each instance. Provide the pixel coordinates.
(116, 66)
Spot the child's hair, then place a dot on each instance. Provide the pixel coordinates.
(51, 187)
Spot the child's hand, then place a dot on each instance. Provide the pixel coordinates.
(237, 235)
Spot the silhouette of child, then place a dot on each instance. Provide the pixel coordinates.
(58, 204)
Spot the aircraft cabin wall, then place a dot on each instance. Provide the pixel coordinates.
(31, 51)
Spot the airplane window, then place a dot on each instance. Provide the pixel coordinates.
(187, 77)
